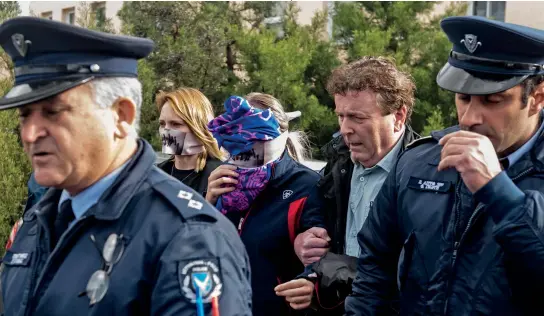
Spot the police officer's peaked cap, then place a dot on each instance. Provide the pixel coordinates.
(489, 56)
(51, 57)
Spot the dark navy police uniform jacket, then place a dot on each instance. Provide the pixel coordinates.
(460, 254)
(289, 205)
(168, 233)
(446, 250)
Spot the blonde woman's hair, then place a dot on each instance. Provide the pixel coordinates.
(298, 145)
(196, 111)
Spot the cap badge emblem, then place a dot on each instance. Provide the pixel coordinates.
(19, 43)
(471, 42)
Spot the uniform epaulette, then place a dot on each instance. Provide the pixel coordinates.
(419, 141)
(188, 203)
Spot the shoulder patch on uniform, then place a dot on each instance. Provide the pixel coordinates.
(200, 279)
(189, 203)
(420, 141)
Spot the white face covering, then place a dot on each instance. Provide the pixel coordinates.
(179, 143)
(262, 153)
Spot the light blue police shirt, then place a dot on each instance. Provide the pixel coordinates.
(90, 196)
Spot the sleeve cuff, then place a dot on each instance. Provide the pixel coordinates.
(503, 194)
(308, 274)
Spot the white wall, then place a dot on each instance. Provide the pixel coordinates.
(528, 13)
(38, 7)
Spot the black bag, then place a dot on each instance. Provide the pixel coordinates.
(335, 274)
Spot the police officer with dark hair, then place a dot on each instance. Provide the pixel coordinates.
(458, 227)
(114, 235)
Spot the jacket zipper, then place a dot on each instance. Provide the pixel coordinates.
(35, 291)
(471, 221)
(456, 244)
(242, 220)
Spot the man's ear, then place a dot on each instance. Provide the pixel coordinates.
(536, 100)
(125, 112)
(400, 118)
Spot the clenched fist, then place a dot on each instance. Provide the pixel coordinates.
(472, 155)
(311, 245)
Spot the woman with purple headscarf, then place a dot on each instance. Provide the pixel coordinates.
(265, 191)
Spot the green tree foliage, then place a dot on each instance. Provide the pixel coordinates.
(411, 35)
(149, 118)
(14, 166)
(194, 48)
(224, 48)
(293, 63)
(194, 41)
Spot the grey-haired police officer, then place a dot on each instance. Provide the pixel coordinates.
(116, 236)
(458, 227)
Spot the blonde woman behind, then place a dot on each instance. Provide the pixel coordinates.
(184, 115)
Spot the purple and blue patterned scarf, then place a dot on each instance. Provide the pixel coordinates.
(237, 130)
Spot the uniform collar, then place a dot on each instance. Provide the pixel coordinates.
(282, 168)
(90, 196)
(516, 155)
(113, 201)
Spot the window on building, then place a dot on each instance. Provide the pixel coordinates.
(274, 20)
(69, 15)
(278, 9)
(47, 15)
(489, 9)
(99, 9)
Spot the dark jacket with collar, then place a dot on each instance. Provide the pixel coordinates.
(197, 181)
(168, 232)
(460, 254)
(289, 205)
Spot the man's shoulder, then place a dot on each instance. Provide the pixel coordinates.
(423, 152)
(187, 202)
(421, 141)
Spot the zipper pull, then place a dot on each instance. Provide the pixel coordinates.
(454, 255)
(240, 224)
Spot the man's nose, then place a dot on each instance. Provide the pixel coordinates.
(32, 128)
(345, 127)
(471, 116)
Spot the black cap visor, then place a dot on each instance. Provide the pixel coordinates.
(471, 83)
(27, 93)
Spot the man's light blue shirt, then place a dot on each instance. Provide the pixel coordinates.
(90, 196)
(365, 185)
(516, 155)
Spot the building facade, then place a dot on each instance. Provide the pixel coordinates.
(520, 12)
(528, 13)
(71, 11)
